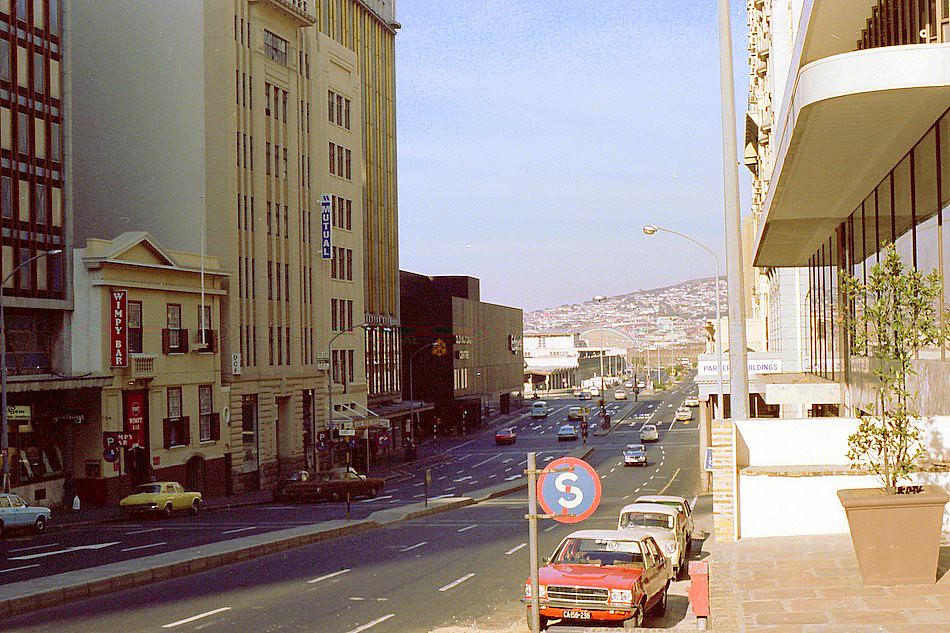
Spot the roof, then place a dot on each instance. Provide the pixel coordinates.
(648, 507)
(604, 534)
(647, 498)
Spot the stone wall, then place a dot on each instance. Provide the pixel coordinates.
(724, 480)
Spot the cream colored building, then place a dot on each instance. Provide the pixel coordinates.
(232, 120)
(165, 394)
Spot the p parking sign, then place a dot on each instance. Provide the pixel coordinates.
(569, 490)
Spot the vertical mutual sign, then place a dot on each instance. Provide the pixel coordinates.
(325, 223)
(119, 331)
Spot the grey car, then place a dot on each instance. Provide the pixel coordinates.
(15, 514)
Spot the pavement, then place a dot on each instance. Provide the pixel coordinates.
(410, 569)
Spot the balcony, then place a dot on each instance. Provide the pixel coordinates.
(298, 10)
(141, 366)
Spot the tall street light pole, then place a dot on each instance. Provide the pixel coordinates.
(652, 230)
(738, 371)
(361, 326)
(601, 299)
(412, 399)
(4, 434)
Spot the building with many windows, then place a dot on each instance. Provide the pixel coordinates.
(261, 132)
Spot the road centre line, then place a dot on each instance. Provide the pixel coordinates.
(515, 549)
(492, 458)
(328, 576)
(465, 529)
(670, 482)
(132, 549)
(4, 571)
(456, 583)
(455, 448)
(370, 625)
(245, 529)
(372, 499)
(145, 531)
(548, 529)
(196, 617)
(27, 549)
(412, 547)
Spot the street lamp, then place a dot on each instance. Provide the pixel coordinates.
(601, 299)
(412, 400)
(4, 434)
(651, 229)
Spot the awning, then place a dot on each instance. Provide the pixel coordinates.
(401, 409)
(358, 417)
(852, 118)
(25, 384)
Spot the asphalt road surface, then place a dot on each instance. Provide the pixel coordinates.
(464, 566)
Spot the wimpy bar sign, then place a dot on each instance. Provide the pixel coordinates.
(119, 331)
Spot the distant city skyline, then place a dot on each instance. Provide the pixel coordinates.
(532, 150)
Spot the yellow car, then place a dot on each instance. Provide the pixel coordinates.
(161, 497)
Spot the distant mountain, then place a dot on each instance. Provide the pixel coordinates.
(671, 314)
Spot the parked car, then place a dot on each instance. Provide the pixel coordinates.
(635, 455)
(620, 394)
(691, 401)
(17, 514)
(611, 576)
(681, 504)
(567, 432)
(585, 395)
(628, 384)
(577, 392)
(575, 413)
(539, 409)
(331, 484)
(648, 433)
(161, 497)
(506, 436)
(684, 413)
(594, 391)
(665, 524)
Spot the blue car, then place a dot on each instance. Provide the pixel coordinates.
(635, 455)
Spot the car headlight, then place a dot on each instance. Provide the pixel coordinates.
(153, 506)
(624, 596)
(542, 591)
(670, 548)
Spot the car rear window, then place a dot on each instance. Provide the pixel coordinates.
(148, 489)
(647, 520)
(588, 551)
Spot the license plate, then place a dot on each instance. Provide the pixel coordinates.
(577, 615)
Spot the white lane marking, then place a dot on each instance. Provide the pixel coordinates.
(412, 547)
(460, 472)
(522, 463)
(490, 459)
(27, 549)
(637, 490)
(377, 499)
(357, 598)
(652, 476)
(132, 549)
(64, 551)
(370, 625)
(440, 496)
(451, 488)
(670, 482)
(657, 470)
(456, 583)
(196, 617)
(548, 529)
(612, 469)
(548, 458)
(246, 529)
(508, 461)
(509, 469)
(461, 479)
(455, 448)
(626, 496)
(442, 477)
(421, 483)
(491, 476)
(4, 571)
(418, 496)
(146, 531)
(513, 477)
(328, 576)
(467, 528)
(515, 549)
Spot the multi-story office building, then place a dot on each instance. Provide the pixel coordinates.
(849, 139)
(223, 127)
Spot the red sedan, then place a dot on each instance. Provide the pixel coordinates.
(506, 436)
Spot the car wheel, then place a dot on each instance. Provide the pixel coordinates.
(636, 621)
(167, 512)
(660, 607)
(373, 493)
(40, 525)
(195, 507)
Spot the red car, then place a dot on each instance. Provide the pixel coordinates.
(506, 436)
(611, 576)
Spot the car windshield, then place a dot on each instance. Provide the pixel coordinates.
(589, 551)
(148, 489)
(648, 429)
(634, 450)
(647, 520)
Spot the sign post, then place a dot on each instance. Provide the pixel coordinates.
(533, 542)
(428, 483)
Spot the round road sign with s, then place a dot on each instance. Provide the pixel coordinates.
(569, 490)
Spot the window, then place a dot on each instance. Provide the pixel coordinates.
(330, 101)
(333, 323)
(208, 429)
(349, 215)
(275, 47)
(270, 341)
(39, 203)
(267, 99)
(205, 330)
(350, 354)
(135, 327)
(333, 264)
(249, 419)
(346, 114)
(287, 341)
(267, 157)
(4, 60)
(175, 337)
(270, 280)
(287, 282)
(339, 109)
(349, 173)
(21, 10)
(55, 142)
(176, 425)
(39, 73)
(280, 346)
(339, 161)
(285, 162)
(283, 115)
(349, 264)
(349, 314)
(276, 103)
(23, 133)
(6, 197)
(332, 157)
(269, 219)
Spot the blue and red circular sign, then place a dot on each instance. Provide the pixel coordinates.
(569, 490)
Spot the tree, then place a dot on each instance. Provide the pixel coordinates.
(895, 316)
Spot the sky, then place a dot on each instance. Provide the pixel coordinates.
(536, 138)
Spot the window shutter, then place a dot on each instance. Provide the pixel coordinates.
(166, 345)
(186, 431)
(215, 427)
(167, 430)
(183, 339)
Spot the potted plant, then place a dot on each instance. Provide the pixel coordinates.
(895, 529)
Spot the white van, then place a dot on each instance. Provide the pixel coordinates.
(539, 409)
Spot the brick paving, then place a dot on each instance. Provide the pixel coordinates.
(811, 584)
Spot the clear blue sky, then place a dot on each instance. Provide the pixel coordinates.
(536, 138)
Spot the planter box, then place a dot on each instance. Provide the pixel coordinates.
(896, 538)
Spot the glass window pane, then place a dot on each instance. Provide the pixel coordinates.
(4, 60)
(6, 197)
(903, 219)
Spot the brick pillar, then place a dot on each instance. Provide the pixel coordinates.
(724, 481)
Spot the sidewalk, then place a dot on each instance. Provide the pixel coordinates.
(811, 584)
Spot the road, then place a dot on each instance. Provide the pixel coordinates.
(467, 565)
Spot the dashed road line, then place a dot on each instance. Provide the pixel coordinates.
(412, 547)
(29, 549)
(6, 571)
(245, 529)
(132, 549)
(515, 549)
(196, 617)
(370, 625)
(456, 583)
(467, 528)
(143, 531)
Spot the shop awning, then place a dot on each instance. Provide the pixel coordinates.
(26, 384)
(358, 417)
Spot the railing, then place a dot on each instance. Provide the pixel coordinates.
(298, 9)
(901, 22)
(141, 366)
